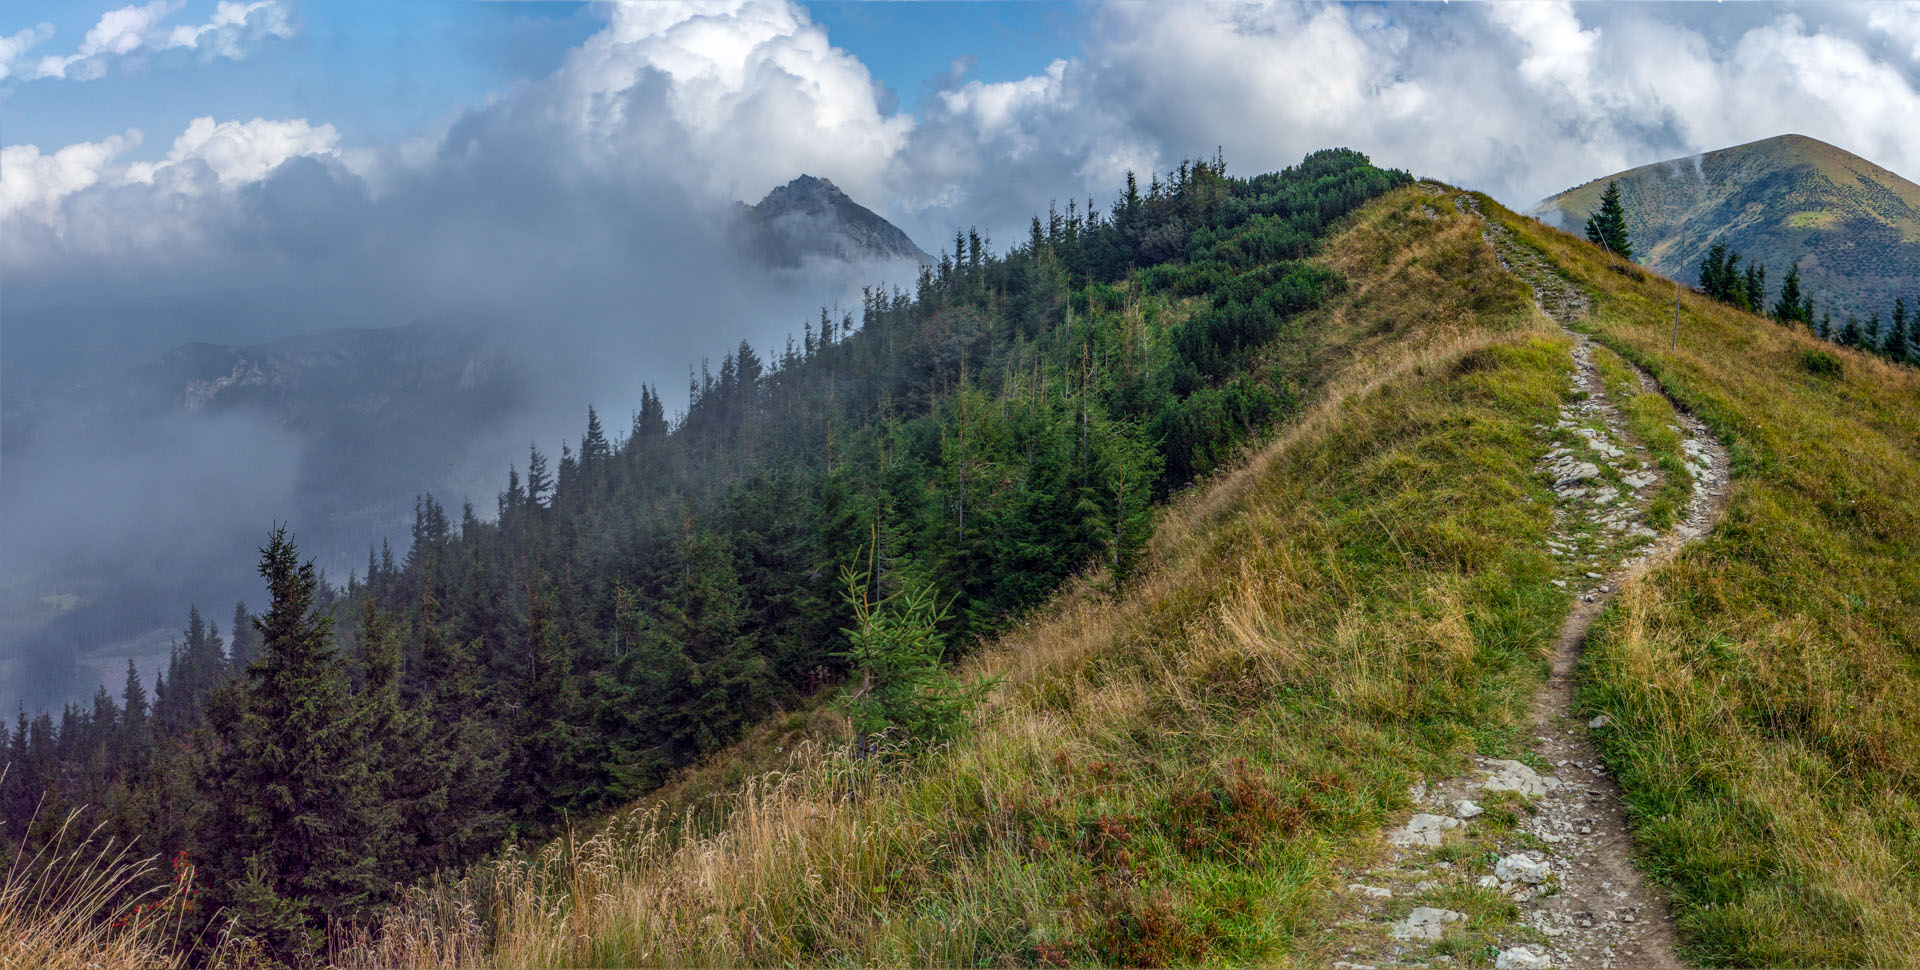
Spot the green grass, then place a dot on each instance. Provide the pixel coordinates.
(1652, 422)
(1182, 774)
(1765, 687)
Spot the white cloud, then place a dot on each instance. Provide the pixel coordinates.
(231, 32)
(1900, 22)
(34, 183)
(243, 151)
(753, 88)
(13, 48)
(723, 100)
(206, 159)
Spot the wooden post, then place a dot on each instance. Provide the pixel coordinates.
(1676, 316)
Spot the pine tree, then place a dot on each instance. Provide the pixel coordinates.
(1899, 337)
(1787, 309)
(1607, 226)
(136, 736)
(537, 481)
(594, 449)
(1850, 335)
(1717, 271)
(546, 773)
(296, 831)
(245, 648)
(1756, 287)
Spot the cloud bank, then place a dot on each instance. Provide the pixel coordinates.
(583, 210)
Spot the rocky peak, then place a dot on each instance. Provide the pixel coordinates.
(810, 217)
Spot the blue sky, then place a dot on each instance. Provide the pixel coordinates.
(380, 71)
(726, 99)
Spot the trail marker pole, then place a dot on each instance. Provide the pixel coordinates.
(1676, 315)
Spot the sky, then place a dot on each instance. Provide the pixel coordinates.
(185, 113)
(565, 173)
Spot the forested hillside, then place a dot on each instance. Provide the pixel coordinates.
(641, 597)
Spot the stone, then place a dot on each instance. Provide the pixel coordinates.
(1520, 867)
(1371, 892)
(1488, 882)
(1522, 958)
(1505, 775)
(1465, 808)
(1581, 471)
(1599, 722)
(1423, 829)
(1344, 965)
(1425, 923)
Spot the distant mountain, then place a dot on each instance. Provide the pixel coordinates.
(1853, 226)
(811, 217)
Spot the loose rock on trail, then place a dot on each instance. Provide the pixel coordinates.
(1556, 843)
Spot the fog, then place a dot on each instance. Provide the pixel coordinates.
(567, 240)
(554, 266)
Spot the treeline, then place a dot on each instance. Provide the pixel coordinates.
(1722, 278)
(636, 603)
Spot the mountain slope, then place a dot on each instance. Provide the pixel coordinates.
(1764, 689)
(1192, 771)
(1853, 226)
(811, 218)
(1183, 772)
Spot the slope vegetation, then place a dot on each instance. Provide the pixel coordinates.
(1189, 771)
(1765, 687)
(1178, 774)
(1853, 226)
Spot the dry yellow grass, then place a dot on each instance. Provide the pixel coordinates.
(74, 905)
(1175, 775)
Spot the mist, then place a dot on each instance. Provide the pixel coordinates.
(537, 266)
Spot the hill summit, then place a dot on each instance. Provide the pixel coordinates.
(1853, 226)
(811, 217)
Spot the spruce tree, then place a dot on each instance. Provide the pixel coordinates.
(1755, 289)
(1898, 336)
(297, 831)
(1787, 309)
(1607, 226)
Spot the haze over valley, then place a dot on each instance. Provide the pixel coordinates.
(783, 483)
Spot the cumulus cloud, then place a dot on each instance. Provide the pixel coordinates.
(13, 48)
(1522, 99)
(717, 101)
(1900, 23)
(232, 32)
(585, 208)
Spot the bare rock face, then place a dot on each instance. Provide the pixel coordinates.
(810, 218)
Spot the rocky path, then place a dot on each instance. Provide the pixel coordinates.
(1525, 868)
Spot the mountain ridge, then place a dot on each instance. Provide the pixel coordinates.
(1852, 226)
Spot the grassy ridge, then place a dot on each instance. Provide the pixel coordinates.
(1175, 776)
(1765, 688)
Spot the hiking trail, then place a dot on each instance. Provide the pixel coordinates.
(1557, 843)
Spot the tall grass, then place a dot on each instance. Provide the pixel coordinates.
(79, 904)
(1177, 774)
(1765, 687)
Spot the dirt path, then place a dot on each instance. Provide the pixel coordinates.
(1556, 843)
